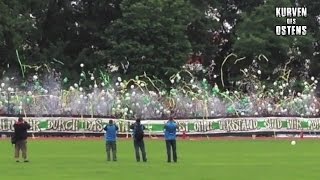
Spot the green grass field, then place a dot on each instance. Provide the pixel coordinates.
(198, 160)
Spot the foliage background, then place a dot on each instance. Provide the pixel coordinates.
(156, 37)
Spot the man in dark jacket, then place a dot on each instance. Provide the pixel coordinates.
(138, 142)
(20, 139)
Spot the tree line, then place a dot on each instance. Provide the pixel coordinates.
(156, 37)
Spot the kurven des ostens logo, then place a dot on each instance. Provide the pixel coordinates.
(292, 15)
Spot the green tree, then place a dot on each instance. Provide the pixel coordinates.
(59, 33)
(16, 29)
(255, 35)
(211, 35)
(154, 36)
(72, 32)
(313, 24)
(151, 36)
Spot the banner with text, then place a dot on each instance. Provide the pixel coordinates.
(197, 126)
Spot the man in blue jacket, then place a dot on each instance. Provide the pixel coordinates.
(170, 130)
(111, 139)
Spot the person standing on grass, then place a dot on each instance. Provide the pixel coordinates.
(20, 139)
(170, 130)
(138, 142)
(111, 140)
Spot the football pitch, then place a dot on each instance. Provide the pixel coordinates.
(198, 160)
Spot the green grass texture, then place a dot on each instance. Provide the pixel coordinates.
(197, 160)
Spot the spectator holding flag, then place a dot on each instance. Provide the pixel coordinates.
(170, 130)
(111, 140)
(138, 134)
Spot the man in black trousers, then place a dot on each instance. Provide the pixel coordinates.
(138, 142)
(20, 139)
(170, 134)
